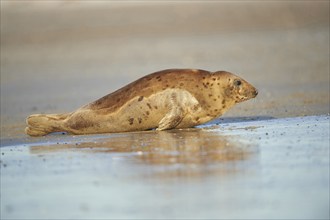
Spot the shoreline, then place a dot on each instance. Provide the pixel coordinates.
(220, 122)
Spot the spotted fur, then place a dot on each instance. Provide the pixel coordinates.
(174, 98)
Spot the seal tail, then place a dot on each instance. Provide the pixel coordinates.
(42, 124)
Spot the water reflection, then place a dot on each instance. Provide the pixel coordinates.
(188, 146)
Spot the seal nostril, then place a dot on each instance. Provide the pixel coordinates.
(255, 92)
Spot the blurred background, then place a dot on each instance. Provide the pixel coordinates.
(59, 55)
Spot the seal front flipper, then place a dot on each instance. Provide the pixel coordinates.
(174, 116)
(171, 119)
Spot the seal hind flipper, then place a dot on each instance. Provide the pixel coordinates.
(42, 124)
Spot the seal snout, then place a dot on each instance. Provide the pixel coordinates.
(255, 93)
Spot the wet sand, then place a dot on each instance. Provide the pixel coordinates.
(268, 157)
(252, 170)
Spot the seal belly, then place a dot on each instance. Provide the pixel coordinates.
(143, 113)
(140, 113)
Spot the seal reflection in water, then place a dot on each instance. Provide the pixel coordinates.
(188, 152)
(189, 146)
(174, 98)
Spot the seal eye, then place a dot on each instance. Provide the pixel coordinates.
(237, 82)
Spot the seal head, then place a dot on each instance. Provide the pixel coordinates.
(237, 89)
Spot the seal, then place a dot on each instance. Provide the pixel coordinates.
(173, 98)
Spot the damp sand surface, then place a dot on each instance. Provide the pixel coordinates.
(265, 158)
(255, 169)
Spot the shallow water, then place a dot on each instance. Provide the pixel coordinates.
(256, 169)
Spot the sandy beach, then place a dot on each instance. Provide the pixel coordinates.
(265, 158)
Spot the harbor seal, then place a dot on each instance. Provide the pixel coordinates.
(173, 98)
